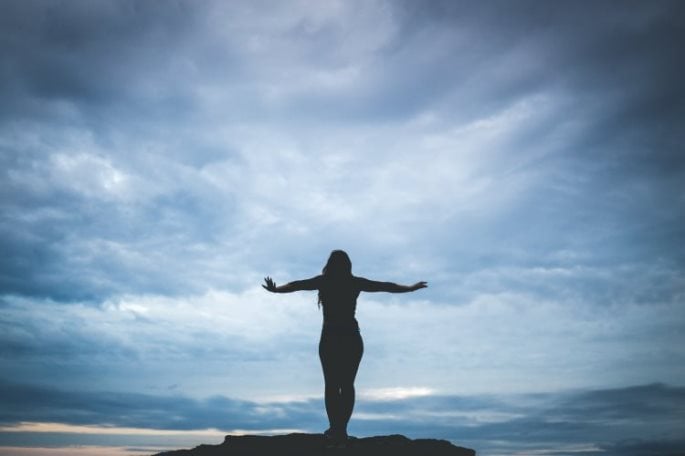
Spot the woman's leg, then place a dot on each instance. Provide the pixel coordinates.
(332, 386)
(352, 358)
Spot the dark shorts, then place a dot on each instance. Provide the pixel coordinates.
(340, 349)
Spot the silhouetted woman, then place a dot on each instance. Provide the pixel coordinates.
(341, 346)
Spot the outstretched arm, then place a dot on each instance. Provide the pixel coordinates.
(390, 287)
(297, 285)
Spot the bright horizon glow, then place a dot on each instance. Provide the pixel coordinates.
(83, 450)
(110, 430)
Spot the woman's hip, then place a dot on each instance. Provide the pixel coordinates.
(341, 345)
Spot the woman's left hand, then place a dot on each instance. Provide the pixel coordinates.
(270, 285)
(419, 285)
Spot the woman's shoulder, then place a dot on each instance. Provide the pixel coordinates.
(360, 281)
(308, 284)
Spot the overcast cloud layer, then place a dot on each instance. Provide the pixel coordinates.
(158, 159)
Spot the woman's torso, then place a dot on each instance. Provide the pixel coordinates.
(339, 301)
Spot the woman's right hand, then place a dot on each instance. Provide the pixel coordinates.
(270, 284)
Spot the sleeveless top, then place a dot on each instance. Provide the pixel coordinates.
(339, 302)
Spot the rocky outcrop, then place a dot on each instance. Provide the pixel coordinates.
(316, 445)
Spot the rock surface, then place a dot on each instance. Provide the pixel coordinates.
(315, 444)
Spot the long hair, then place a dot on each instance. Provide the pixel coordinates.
(338, 268)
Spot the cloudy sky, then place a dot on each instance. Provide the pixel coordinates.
(158, 159)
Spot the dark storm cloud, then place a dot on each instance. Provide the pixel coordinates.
(650, 415)
(617, 67)
(468, 58)
(88, 53)
(27, 403)
(637, 447)
(132, 70)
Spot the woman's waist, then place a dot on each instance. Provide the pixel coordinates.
(337, 326)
